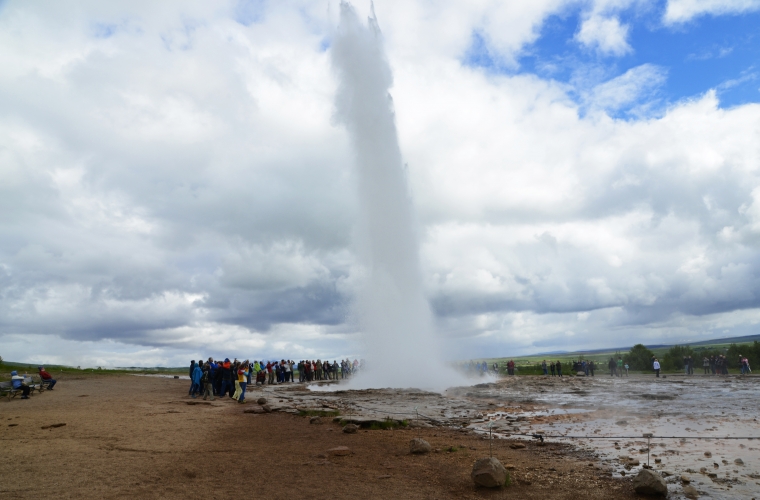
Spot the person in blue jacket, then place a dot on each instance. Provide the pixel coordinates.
(196, 387)
(18, 383)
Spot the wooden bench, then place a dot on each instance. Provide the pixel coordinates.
(7, 390)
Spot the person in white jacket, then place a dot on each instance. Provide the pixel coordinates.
(656, 368)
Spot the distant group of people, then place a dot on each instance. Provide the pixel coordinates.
(617, 367)
(479, 368)
(18, 382)
(310, 370)
(221, 378)
(555, 367)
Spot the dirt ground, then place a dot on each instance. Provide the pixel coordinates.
(130, 436)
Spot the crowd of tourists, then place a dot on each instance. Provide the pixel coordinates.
(221, 378)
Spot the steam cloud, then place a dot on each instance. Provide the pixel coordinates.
(393, 312)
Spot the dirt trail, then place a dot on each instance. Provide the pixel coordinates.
(128, 436)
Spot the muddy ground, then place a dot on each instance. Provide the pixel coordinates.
(129, 436)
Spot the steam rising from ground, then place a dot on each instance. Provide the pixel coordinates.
(394, 314)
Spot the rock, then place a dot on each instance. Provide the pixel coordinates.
(517, 446)
(52, 426)
(510, 467)
(708, 454)
(256, 409)
(685, 479)
(648, 482)
(266, 408)
(633, 462)
(690, 492)
(350, 428)
(262, 401)
(658, 460)
(739, 461)
(580, 374)
(489, 472)
(339, 451)
(315, 420)
(419, 446)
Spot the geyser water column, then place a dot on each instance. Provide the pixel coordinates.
(393, 311)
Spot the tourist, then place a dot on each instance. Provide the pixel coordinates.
(511, 367)
(47, 379)
(620, 366)
(611, 365)
(558, 365)
(206, 379)
(190, 374)
(195, 387)
(706, 365)
(226, 373)
(543, 367)
(18, 383)
(551, 367)
(243, 374)
(626, 369)
(656, 366)
(591, 367)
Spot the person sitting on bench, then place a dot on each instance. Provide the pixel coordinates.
(47, 379)
(18, 384)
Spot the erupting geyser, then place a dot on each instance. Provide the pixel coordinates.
(394, 314)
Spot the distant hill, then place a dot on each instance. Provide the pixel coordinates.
(728, 340)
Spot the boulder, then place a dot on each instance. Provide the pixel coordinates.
(350, 428)
(739, 461)
(685, 479)
(580, 374)
(648, 482)
(339, 451)
(262, 401)
(267, 408)
(255, 409)
(489, 472)
(517, 446)
(315, 420)
(419, 446)
(690, 492)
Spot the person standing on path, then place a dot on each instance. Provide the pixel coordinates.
(559, 369)
(543, 367)
(620, 366)
(591, 367)
(190, 374)
(656, 366)
(551, 366)
(196, 378)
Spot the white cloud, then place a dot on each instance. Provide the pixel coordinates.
(604, 34)
(680, 11)
(173, 186)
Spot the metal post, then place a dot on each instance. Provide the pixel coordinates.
(648, 435)
(490, 438)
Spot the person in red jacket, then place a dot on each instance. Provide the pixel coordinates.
(47, 378)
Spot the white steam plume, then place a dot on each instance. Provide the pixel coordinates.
(394, 314)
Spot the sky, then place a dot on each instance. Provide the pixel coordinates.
(174, 183)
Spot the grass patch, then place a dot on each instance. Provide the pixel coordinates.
(318, 413)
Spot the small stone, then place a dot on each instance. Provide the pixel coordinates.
(658, 460)
(690, 492)
(262, 401)
(739, 461)
(488, 472)
(339, 451)
(648, 482)
(315, 420)
(419, 446)
(685, 479)
(510, 467)
(350, 428)
(708, 454)
(517, 446)
(267, 408)
(633, 462)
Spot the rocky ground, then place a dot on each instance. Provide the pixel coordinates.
(143, 437)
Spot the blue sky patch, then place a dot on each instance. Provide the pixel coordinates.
(713, 52)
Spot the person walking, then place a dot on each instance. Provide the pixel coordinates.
(656, 366)
(190, 374)
(559, 369)
(195, 388)
(591, 367)
(620, 366)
